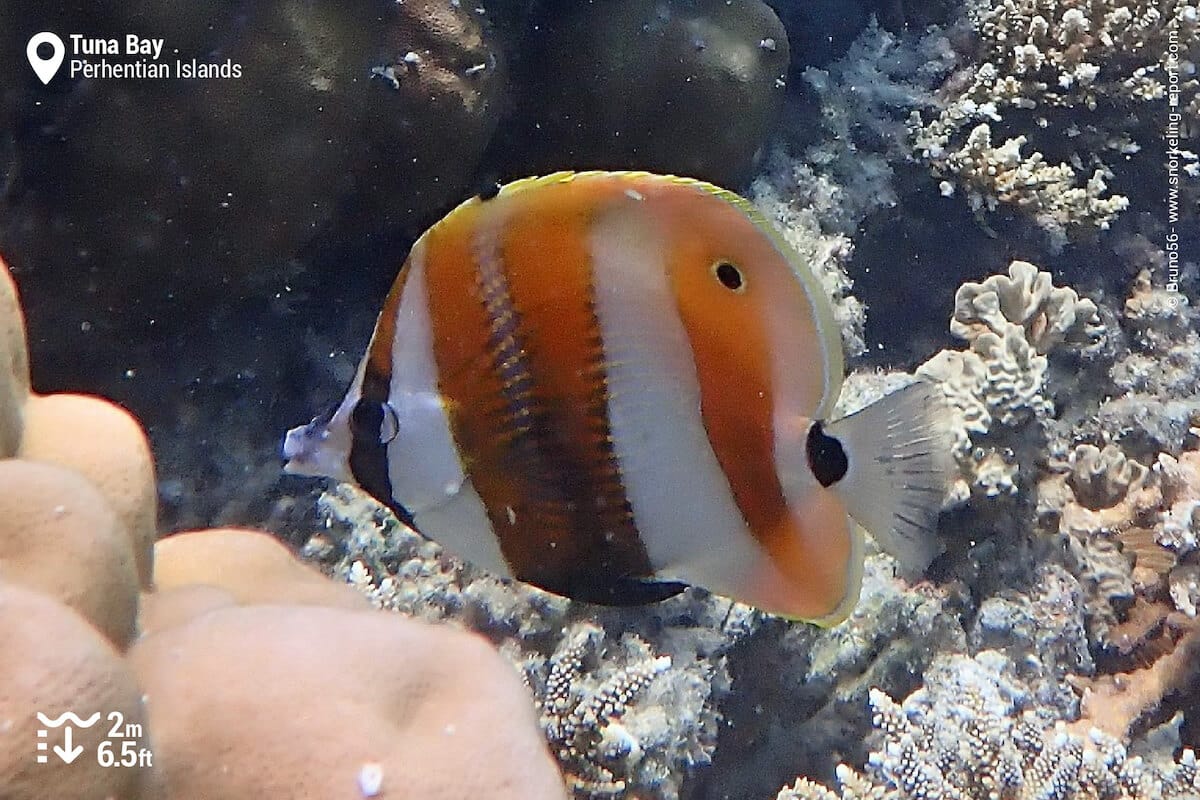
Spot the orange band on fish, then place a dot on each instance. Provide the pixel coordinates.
(612, 385)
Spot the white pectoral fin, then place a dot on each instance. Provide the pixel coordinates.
(900, 462)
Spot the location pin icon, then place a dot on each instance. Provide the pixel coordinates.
(45, 67)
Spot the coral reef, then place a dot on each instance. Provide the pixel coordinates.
(1042, 66)
(1073, 592)
(997, 388)
(975, 731)
(632, 699)
(1051, 651)
(629, 700)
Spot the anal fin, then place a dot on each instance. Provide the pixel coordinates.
(628, 592)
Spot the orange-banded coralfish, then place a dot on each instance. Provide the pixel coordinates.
(613, 385)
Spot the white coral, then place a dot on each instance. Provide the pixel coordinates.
(1088, 55)
(973, 732)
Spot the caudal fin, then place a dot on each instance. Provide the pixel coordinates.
(899, 465)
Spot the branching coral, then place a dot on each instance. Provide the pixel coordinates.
(594, 715)
(629, 699)
(1076, 65)
(973, 732)
(1052, 193)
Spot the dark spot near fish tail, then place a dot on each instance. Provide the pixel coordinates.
(826, 456)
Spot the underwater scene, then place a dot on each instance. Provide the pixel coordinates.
(647, 399)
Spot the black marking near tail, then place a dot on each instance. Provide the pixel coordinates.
(826, 456)
(489, 190)
(901, 462)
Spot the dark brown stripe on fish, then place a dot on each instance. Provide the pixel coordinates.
(530, 416)
(545, 254)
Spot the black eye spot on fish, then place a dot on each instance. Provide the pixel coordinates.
(729, 276)
(826, 456)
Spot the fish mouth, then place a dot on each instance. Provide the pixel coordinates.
(312, 450)
(298, 445)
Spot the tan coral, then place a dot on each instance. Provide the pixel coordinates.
(1118, 704)
(1181, 498)
(391, 707)
(54, 662)
(1101, 479)
(1101, 495)
(14, 365)
(173, 607)
(252, 566)
(59, 536)
(106, 444)
(997, 387)
(1000, 380)
(1027, 296)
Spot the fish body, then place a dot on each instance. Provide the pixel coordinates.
(614, 385)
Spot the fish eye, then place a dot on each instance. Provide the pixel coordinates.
(729, 276)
